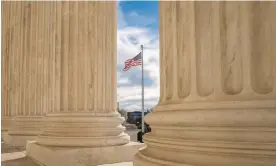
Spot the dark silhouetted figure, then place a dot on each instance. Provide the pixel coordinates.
(140, 137)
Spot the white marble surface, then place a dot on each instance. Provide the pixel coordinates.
(57, 156)
(11, 156)
(16, 140)
(119, 164)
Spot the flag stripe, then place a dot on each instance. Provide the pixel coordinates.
(136, 61)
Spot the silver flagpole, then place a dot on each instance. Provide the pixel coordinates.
(143, 123)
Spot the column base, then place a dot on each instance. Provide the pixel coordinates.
(202, 157)
(224, 137)
(83, 129)
(17, 140)
(26, 125)
(3, 132)
(81, 156)
(6, 123)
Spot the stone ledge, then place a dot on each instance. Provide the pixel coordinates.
(17, 140)
(72, 156)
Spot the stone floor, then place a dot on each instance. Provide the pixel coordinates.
(11, 156)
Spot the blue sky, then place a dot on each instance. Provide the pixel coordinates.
(145, 14)
(138, 24)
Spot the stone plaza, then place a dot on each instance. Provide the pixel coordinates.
(217, 102)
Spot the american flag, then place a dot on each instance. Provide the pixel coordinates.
(136, 61)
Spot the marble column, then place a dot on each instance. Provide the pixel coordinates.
(85, 79)
(10, 68)
(6, 112)
(30, 70)
(85, 116)
(218, 86)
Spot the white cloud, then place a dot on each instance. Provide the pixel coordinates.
(135, 18)
(135, 93)
(129, 39)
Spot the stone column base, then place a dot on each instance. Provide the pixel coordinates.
(26, 125)
(81, 156)
(5, 123)
(3, 132)
(17, 140)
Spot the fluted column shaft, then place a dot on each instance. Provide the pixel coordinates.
(7, 33)
(28, 64)
(11, 57)
(218, 86)
(84, 111)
